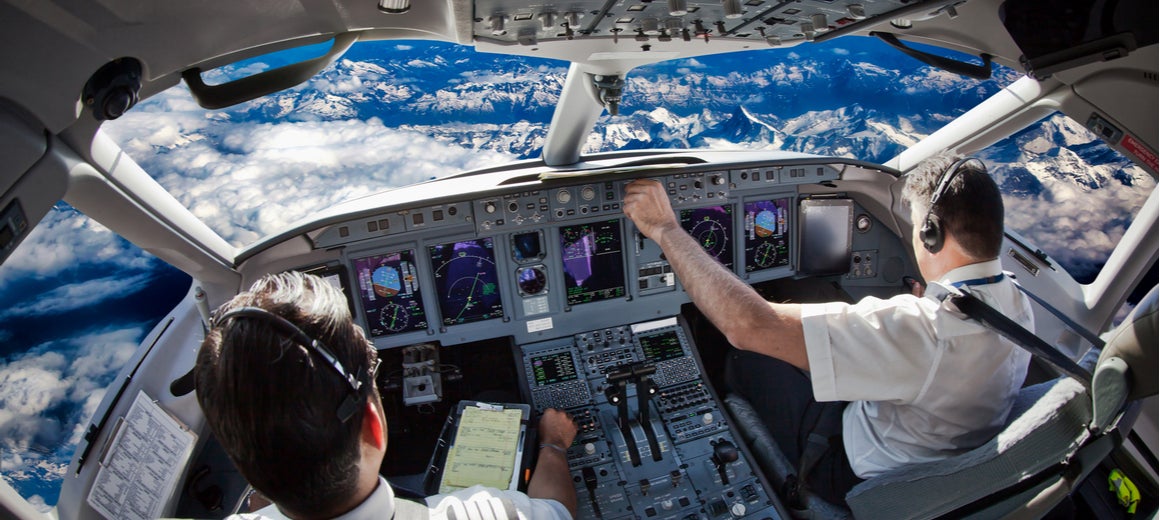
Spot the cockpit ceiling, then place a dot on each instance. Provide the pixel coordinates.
(772, 22)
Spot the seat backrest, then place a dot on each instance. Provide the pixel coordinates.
(1127, 366)
(1047, 424)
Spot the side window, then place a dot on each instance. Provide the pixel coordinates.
(76, 302)
(1067, 192)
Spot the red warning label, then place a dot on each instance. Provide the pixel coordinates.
(1141, 152)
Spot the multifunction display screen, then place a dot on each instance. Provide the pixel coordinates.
(593, 262)
(712, 227)
(553, 368)
(766, 234)
(660, 347)
(466, 281)
(389, 289)
(826, 228)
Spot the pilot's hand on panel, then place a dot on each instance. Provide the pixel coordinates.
(647, 204)
(556, 427)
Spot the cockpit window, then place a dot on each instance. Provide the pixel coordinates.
(1067, 192)
(850, 97)
(387, 114)
(61, 348)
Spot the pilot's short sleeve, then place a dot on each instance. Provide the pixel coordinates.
(482, 503)
(874, 350)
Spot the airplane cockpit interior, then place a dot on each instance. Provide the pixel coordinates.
(526, 285)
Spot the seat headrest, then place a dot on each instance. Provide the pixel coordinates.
(1135, 343)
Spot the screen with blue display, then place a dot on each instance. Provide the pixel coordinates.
(712, 227)
(389, 289)
(466, 281)
(593, 261)
(766, 234)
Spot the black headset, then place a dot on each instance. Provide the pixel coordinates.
(359, 386)
(932, 233)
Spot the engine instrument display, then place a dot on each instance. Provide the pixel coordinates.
(592, 257)
(466, 281)
(712, 227)
(553, 368)
(389, 289)
(766, 234)
(661, 347)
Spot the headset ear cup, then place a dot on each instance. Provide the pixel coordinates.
(932, 234)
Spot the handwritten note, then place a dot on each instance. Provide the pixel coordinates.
(140, 468)
(484, 451)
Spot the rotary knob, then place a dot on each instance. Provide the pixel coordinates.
(589, 449)
(489, 207)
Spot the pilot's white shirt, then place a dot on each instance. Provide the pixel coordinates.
(473, 503)
(923, 382)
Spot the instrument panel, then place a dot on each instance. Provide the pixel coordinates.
(554, 261)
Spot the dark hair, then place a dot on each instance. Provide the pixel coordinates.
(971, 209)
(272, 404)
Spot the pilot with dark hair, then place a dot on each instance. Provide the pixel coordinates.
(287, 384)
(850, 391)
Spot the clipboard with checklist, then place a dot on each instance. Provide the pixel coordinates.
(482, 443)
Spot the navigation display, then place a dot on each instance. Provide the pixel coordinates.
(712, 227)
(660, 347)
(466, 281)
(766, 234)
(553, 368)
(593, 261)
(388, 286)
(826, 229)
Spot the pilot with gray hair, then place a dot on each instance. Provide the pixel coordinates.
(287, 383)
(849, 391)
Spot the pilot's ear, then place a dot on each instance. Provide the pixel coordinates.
(373, 428)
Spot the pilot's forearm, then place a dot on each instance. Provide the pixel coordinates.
(747, 320)
(551, 479)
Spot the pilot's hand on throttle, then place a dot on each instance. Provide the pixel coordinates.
(647, 204)
(556, 427)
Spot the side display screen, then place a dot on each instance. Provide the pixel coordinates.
(593, 261)
(466, 281)
(388, 286)
(826, 229)
(712, 227)
(553, 368)
(660, 347)
(766, 234)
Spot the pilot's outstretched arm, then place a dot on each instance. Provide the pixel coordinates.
(747, 320)
(551, 478)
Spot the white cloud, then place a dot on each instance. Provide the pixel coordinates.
(49, 395)
(840, 51)
(404, 47)
(66, 239)
(78, 295)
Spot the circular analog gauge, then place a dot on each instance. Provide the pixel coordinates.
(563, 196)
(588, 193)
(532, 280)
(863, 223)
(394, 317)
(766, 254)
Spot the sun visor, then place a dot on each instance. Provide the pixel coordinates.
(1056, 35)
